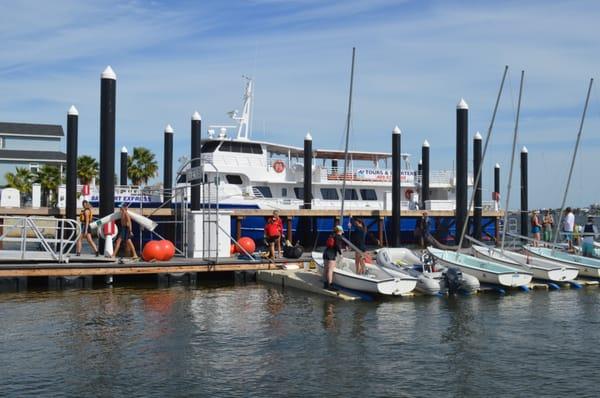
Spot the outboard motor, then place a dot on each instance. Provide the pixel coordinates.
(453, 278)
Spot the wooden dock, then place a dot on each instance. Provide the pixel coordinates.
(94, 268)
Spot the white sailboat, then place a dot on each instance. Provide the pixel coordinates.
(484, 270)
(375, 280)
(540, 268)
(587, 266)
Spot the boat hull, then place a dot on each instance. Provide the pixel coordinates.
(540, 268)
(497, 274)
(585, 266)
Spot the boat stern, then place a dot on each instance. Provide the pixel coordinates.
(563, 274)
(514, 279)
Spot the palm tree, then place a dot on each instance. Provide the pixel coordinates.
(87, 169)
(141, 166)
(20, 180)
(49, 178)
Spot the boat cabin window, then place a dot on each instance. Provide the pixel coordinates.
(329, 194)
(299, 192)
(241, 147)
(368, 194)
(284, 192)
(351, 194)
(234, 179)
(210, 146)
(265, 191)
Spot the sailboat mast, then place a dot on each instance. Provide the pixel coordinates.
(512, 161)
(562, 206)
(347, 136)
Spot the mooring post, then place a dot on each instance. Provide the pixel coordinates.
(307, 221)
(462, 158)
(72, 131)
(478, 205)
(396, 177)
(524, 190)
(108, 94)
(425, 174)
(496, 193)
(168, 164)
(123, 166)
(380, 227)
(195, 154)
(290, 232)
(238, 227)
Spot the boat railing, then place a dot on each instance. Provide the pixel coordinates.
(37, 238)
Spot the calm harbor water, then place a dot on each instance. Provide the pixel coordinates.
(257, 340)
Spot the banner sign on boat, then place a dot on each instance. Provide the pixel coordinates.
(384, 175)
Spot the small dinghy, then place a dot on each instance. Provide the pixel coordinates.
(430, 281)
(540, 268)
(375, 280)
(484, 270)
(587, 266)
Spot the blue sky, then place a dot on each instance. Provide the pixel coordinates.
(415, 60)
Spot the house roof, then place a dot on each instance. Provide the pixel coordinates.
(38, 156)
(31, 130)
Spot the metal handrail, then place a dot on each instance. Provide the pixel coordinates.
(55, 236)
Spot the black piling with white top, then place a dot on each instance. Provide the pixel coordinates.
(123, 168)
(524, 196)
(462, 148)
(195, 154)
(496, 195)
(108, 95)
(168, 164)
(306, 227)
(72, 131)
(396, 189)
(425, 174)
(478, 208)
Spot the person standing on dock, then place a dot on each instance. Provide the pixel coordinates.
(273, 233)
(333, 247)
(536, 227)
(360, 241)
(422, 230)
(547, 225)
(590, 233)
(568, 225)
(86, 218)
(125, 234)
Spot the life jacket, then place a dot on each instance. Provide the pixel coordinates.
(588, 229)
(330, 242)
(272, 230)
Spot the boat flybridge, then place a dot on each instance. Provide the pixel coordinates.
(259, 174)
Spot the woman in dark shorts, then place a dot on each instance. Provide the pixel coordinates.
(329, 255)
(125, 234)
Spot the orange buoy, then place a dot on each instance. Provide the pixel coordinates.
(166, 250)
(232, 249)
(247, 244)
(152, 251)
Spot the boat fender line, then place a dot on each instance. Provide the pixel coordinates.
(575, 285)
(524, 288)
(553, 286)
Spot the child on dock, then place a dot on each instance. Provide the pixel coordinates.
(273, 232)
(536, 227)
(125, 234)
(360, 241)
(86, 218)
(333, 247)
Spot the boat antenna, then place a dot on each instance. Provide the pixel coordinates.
(512, 160)
(478, 176)
(564, 200)
(347, 136)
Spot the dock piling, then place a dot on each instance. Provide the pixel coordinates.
(168, 163)
(195, 154)
(124, 166)
(478, 209)
(396, 189)
(72, 131)
(462, 147)
(524, 196)
(425, 174)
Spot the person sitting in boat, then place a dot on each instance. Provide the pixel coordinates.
(359, 239)
(125, 234)
(273, 232)
(547, 225)
(536, 227)
(590, 233)
(86, 218)
(422, 230)
(333, 247)
(568, 225)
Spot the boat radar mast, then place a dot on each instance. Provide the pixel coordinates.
(243, 120)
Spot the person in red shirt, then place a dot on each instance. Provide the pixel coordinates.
(273, 232)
